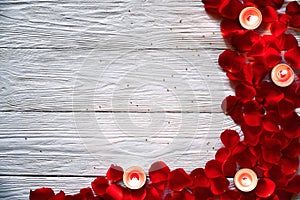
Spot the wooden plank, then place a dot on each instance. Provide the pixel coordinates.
(88, 143)
(95, 80)
(107, 24)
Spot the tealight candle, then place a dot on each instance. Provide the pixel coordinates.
(245, 180)
(134, 177)
(250, 18)
(282, 75)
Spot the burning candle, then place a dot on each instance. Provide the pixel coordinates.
(134, 177)
(282, 75)
(250, 18)
(245, 180)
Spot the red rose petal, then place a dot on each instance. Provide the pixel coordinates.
(287, 41)
(212, 6)
(213, 169)
(286, 108)
(219, 185)
(271, 150)
(152, 193)
(265, 188)
(159, 172)
(269, 14)
(245, 92)
(41, 194)
(293, 185)
(115, 173)
(282, 194)
(251, 134)
(179, 179)
(222, 154)
(59, 196)
(293, 149)
(243, 41)
(293, 8)
(229, 27)
(230, 8)
(230, 138)
(292, 57)
(115, 192)
(229, 167)
(289, 165)
(230, 195)
(203, 193)
(199, 178)
(100, 185)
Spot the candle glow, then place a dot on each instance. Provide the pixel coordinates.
(282, 75)
(250, 18)
(245, 180)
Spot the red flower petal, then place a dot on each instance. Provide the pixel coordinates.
(152, 193)
(278, 28)
(115, 173)
(230, 8)
(245, 92)
(243, 41)
(115, 192)
(213, 169)
(159, 172)
(199, 178)
(289, 165)
(212, 6)
(286, 108)
(229, 167)
(222, 154)
(230, 138)
(293, 8)
(100, 185)
(272, 121)
(219, 185)
(265, 188)
(293, 185)
(41, 194)
(179, 179)
(230, 27)
(251, 134)
(271, 150)
(292, 57)
(59, 196)
(293, 150)
(230, 195)
(269, 14)
(203, 194)
(287, 41)
(230, 61)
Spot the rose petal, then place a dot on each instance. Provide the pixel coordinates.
(219, 185)
(287, 41)
(293, 149)
(115, 192)
(41, 194)
(271, 150)
(265, 188)
(59, 196)
(100, 185)
(251, 134)
(229, 28)
(203, 194)
(179, 179)
(230, 138)
(230, 8)
(229, 167)
(269, 14)
(293, 184)
(292, 57)
(243, 41)
(245, 92)
(213, 169)
(222, 154)
(115, 173)
(159, 172)
(152, 193)
(230, 195)
(289, 165)
(199, 178)
(286, 108)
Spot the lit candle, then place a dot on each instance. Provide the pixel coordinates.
(134, 177)
(250, 18)
(282, 75)
(245, 180)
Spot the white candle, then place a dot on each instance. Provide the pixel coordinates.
(282, 75)
(250, 18)
(134, 177)
(245, 180)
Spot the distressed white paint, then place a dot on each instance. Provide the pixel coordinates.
(88, 83)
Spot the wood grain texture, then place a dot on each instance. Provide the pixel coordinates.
(87, 83)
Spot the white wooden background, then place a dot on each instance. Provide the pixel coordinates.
(88, 83)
